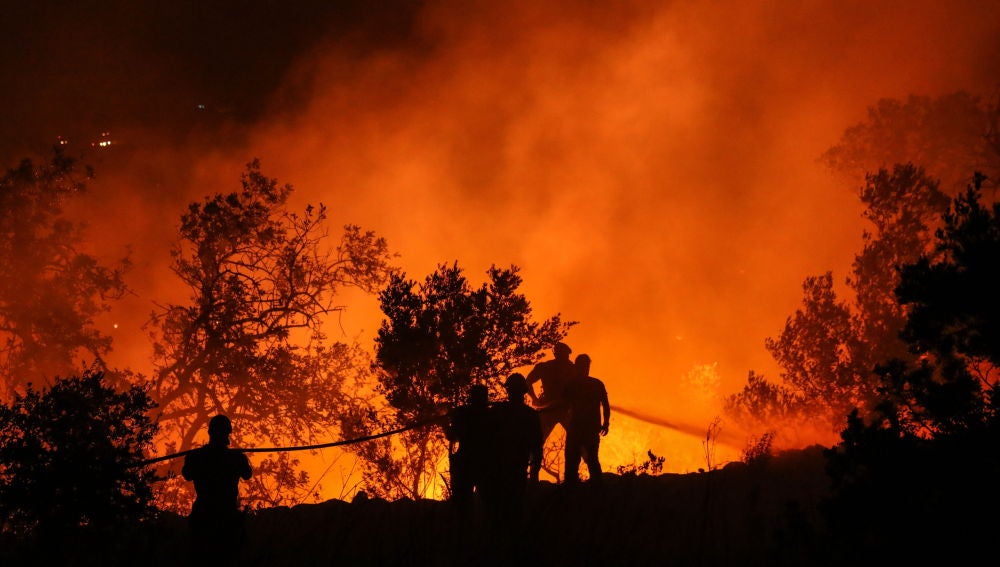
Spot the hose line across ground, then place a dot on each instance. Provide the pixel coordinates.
(154, 460)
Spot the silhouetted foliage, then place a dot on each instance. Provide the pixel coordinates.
(68, 457)
(929, 452)
(910, 357)
(250, 343)
(50, 292)
(953, 327)
(904, 208)
(954, 305)
(758, 449)
(829, 348)
(437, 340)
(761, 403)
(817, 350)
(653, 465)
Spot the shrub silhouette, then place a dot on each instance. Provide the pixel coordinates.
(68, 459)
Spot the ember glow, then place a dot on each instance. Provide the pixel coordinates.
(651, 168)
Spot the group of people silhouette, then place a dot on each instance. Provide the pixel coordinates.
(577, 401)
(495, 452)
(496, 449)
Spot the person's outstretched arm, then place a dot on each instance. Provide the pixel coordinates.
(245, 471)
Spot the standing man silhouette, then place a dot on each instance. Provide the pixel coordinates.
(216, 520)
(589, 418)
(554, 375)
(515, 458)
(466, 433)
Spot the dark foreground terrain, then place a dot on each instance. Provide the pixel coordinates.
(741, 515)
(779, 511)
(761, 514)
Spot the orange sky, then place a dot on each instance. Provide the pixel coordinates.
(651, 168)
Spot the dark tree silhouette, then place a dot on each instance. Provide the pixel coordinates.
(953, 325)
(50, 291)
(919, 443)
(829, 348)
(250, 343)
(436, 341)
(954, 307)
(928, 454)
(68, 457)
(816, 350)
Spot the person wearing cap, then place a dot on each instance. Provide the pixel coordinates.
(216, 520)
(553, 376)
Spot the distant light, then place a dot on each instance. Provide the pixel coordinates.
(115, 325)
(201, 107)
(103, 141)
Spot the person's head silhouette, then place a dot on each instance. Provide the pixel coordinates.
(516, 386)
(561, 351)
(583, 365)
(479, 395)
(219, 428)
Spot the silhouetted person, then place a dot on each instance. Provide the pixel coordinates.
(589, 419)
(554, 375)
(216, 519)
(515, 458)
(467, 434)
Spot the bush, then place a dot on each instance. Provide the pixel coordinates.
(652, 466)
(68, 461)
(758, 449)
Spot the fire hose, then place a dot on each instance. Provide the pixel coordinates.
(361, 439)
(690, 430)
